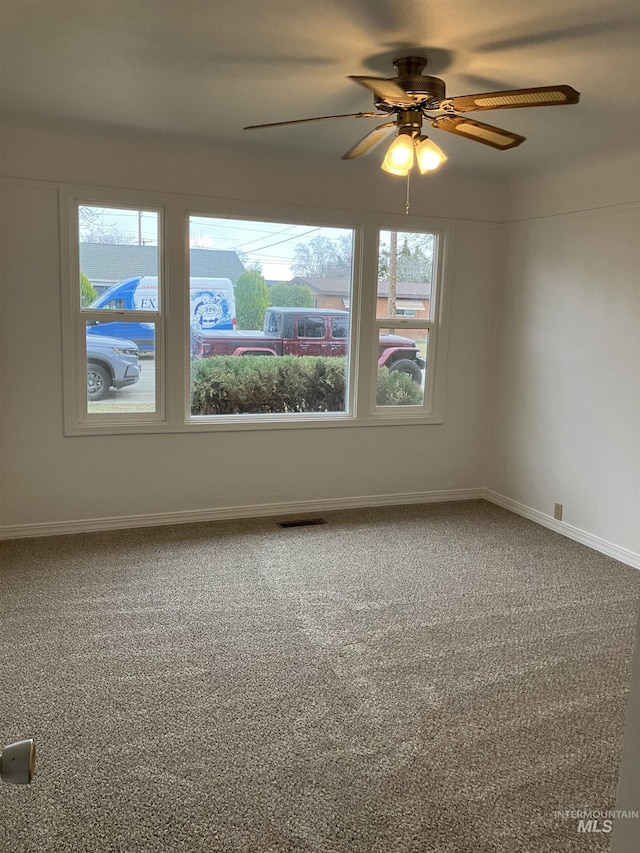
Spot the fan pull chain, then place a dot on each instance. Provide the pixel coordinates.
(407, 202)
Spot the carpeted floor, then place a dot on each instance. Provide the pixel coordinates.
(399, 680)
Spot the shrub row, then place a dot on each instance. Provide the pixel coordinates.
(233, 385)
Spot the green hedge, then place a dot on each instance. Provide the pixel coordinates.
(397, 389)
(233, 385)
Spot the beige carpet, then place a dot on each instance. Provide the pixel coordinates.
(399, 680)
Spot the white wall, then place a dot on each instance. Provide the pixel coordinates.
(560, 337)
(50, 479)
(566, 414)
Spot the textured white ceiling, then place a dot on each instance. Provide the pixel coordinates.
(206, 68)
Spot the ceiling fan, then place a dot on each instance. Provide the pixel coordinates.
(411, 97)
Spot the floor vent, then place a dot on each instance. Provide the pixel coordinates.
(305, 522)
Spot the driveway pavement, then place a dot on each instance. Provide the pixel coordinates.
(136, 398)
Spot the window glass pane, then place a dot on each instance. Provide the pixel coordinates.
(311, 327)
(339, 327)
(118, 254)
(287, 286)
(405, 274)
(142, 334)
(119, 377)
(402, 371)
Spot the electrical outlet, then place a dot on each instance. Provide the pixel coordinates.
(557, 512)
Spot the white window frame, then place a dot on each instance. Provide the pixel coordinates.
(173, 408)
(78, 420)
(430, 410)
(278, 418)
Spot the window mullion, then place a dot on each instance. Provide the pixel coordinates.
(367, 331)
(400, 323)
(176, 269)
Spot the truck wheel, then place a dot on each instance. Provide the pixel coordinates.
(98, 382)
(405, 365)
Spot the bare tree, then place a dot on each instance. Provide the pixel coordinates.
(323, 258)
(414, 260)
(93, 229)
(198, 241)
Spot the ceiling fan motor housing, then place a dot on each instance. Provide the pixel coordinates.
(410, 65)
(427, 91)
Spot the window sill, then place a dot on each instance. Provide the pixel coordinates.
(250, 423)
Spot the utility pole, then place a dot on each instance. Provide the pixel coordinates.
(393, 272)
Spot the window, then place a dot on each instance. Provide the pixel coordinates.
(268, 322)
(311, 327)
(339, 327)
(178, 320)
(115, 304)
(407, 261)
(118, 329)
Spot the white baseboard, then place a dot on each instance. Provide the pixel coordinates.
(624, 555)
(89, 525)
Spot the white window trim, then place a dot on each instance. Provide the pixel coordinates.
(431, 409)
(77, 419)
(173, 357)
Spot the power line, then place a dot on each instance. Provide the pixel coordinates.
(270, 245)
(257, 239)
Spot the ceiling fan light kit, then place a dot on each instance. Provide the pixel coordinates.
(407, 150)
(399, 158)
(428, 155)
(411, 96)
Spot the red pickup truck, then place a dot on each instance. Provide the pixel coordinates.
(305, 331)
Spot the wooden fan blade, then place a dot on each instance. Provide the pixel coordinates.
(386, 90)
(317, 118)
(543, 96)
(476, 130)
(369, 141)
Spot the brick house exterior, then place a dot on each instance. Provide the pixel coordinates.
(412, 298)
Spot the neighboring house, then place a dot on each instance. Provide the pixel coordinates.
(105, 264)
(327, 292)
(412, 298)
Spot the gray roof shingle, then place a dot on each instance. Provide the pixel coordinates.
(108, 263)
(341, 287)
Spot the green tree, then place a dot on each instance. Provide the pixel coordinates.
(286, 295)
(87, 291)
(252, 300)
